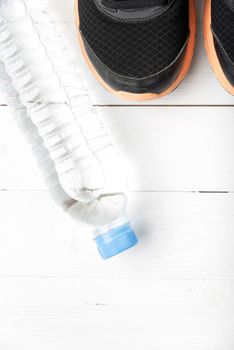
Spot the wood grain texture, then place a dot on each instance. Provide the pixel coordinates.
(182, 236)
(175, 289)
(67, 314)
(165, 148)
(200, 87)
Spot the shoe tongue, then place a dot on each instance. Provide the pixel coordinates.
(134, 4)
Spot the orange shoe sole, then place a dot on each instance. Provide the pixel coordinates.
(211, 52)
(147, 96)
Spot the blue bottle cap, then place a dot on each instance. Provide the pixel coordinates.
(116, 240)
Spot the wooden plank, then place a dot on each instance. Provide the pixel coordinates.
(199, 88)
(55, 291)
(18, 167)
(175, 289)
(165, 149)
(49, 314)
(182, 236)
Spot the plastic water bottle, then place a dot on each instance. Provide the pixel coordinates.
(42, 86)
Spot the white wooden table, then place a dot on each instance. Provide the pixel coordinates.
(175, 290)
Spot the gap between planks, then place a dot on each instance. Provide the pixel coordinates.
(165, 106)
(131, 191)
(159, 106)
(117, 278)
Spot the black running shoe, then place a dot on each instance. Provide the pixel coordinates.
(219, 39)
(137, 49)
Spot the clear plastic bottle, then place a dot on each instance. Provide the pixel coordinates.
(43, 87)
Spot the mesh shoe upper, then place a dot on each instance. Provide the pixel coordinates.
(135, 49)
(223, 24)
